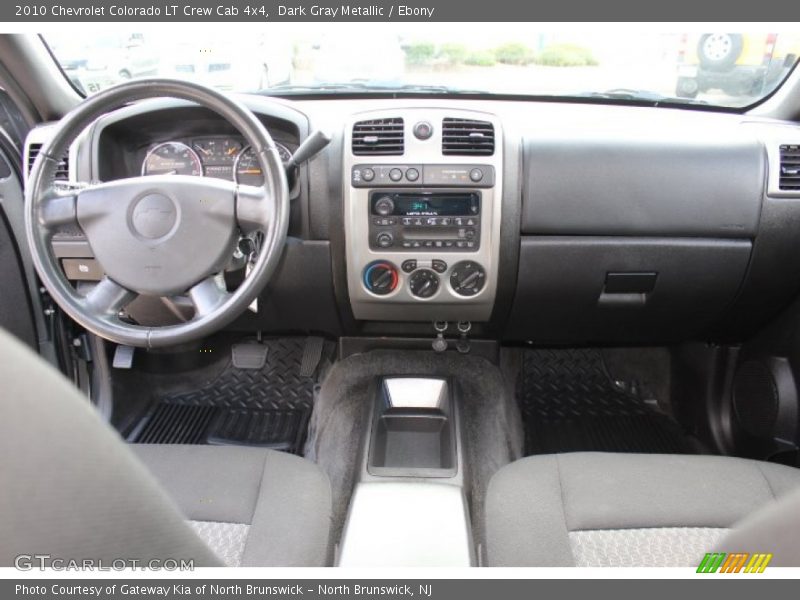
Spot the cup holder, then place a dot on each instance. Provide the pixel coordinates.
(413, 431)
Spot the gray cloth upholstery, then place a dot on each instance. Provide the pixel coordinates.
(285, 500)
(74, 490)
(226, 540)
(70, 487)
(774, 529)
(533, 504)
(649, 547)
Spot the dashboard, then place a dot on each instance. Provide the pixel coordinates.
(583, 224)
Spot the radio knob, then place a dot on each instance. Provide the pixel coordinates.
(384, 239)
(384, 206)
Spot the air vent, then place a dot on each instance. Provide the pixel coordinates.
(465, 137)
(62, 172)
(378, 137)
(790, 167)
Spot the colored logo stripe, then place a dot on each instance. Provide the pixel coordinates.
(722, 562)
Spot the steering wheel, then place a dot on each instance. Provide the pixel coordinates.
(166, 235)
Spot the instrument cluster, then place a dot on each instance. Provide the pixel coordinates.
(227, 158)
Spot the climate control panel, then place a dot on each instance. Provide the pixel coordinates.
(423, 278)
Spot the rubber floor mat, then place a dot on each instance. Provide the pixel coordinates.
(268, 406)
(570, 403)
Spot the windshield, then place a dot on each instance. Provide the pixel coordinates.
(721, 69)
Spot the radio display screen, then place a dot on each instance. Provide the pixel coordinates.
(434, 205)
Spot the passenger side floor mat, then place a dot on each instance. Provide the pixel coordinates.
(570, 403)
(264, 397)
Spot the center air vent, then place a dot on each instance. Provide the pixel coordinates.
(378, 137)
(465, 137)
(790, 167)
(62, 171)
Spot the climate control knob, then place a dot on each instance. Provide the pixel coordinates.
(380, 277)
(467, 278)
(423, 283)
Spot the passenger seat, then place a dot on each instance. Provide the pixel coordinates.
(595, 509)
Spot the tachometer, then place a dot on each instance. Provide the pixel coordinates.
(172, 158)
(248, 171)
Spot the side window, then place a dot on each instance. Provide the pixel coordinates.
(11, 120)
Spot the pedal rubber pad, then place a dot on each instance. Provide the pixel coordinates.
(250, 355)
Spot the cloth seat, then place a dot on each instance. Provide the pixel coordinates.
(73, 490)
(252, 507)
(624, 510)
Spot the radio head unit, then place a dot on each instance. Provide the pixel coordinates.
(424, 220)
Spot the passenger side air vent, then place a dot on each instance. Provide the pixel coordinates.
(465, 137)
(62, 172)
(378, 137)
(790, 167)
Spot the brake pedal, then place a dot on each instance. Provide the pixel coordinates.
(123, 357)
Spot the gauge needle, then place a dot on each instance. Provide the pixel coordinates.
(204, 151)
(231, 151)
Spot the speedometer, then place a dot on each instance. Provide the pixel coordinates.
(172, 158)
(248, 170)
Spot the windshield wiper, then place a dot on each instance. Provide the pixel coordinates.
(638, 96)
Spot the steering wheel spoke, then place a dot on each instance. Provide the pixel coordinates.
(58, 209)
(207, 296)
(252, 208)
(107, 298)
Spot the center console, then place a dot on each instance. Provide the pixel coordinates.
(422, 214)
(408, 506)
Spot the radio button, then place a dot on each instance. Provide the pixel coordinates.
(395, 174)
(423, 130)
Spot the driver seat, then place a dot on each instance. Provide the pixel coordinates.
(73, 490)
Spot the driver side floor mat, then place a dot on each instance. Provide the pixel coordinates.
(265, 402)
(570, 403)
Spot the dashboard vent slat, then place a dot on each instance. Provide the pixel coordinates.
(384, 137)
(467, 137)
(62, 172)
